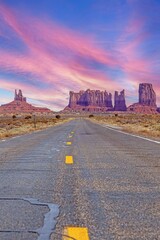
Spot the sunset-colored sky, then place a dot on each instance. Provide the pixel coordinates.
(49, 47)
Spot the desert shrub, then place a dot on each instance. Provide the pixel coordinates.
(91, 116)
(18, 124)
(44, 121)
(7, 135)
(14, 116)
(9, 127)
(116, 114)
(28, 117)
(58, 116)
(158, 128)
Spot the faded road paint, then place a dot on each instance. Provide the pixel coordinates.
(69, 160)
(69, 143)
(78, 233)
(129, 134)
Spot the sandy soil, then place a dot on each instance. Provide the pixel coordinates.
(13, 126)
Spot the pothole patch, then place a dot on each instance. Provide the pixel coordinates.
(50, 217)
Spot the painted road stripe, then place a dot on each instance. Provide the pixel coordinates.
(72, 132)
(70, 136)
(69, 160)
(68, 143)
(78, 233)
(144, 138)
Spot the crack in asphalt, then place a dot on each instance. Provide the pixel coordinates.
(49, 224)
(30, 231)
(17, 231)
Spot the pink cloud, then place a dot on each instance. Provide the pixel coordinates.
(51, 56)
(40, 34)
(44, 66)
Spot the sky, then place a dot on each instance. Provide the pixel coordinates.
(51, 47)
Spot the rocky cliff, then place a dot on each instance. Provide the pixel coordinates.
(147, 95)
(90, 100)
(20, 105)
(119, 101)
(101, 101)
(96, 101)
(143, 109)
(147, 100)
(19, 96)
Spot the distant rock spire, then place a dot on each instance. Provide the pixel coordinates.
(147, 95)
(19, 106)
(119, 101)
(89, 97)
(147, 100)
(15, 95)
(19, 96)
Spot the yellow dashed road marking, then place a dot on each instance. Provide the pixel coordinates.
(70, 136)
(77, 233)
(68, 143)
(69, 160)
(72, 132)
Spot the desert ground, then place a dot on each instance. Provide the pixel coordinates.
(14, 125)
(145, 125)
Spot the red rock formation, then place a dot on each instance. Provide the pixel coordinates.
(147, 95)
(19, 96)
(74, 98)
(19, 105)
(139, 108)
(90, 100)
(119, 101)
(147, 100)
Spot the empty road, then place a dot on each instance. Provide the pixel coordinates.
(84, 180)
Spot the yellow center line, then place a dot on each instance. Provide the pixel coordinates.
(78, 233)
(72, 132)
(70, 136)
(68, 143)
(69, 160)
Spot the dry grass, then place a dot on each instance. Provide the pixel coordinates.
(145, 125)
(10, 127)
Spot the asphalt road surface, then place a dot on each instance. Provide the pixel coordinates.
(111, 188)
